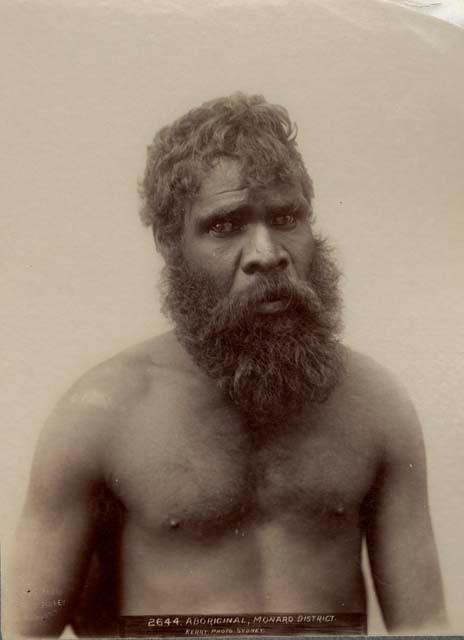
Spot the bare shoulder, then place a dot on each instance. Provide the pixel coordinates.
(376, 394)
(113, 385)
(100, 401)
(365, 375)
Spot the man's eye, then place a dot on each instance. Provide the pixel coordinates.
(284, 220)
(226, 227)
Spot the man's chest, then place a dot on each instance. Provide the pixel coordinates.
(198, 472)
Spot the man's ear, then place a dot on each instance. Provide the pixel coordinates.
(159, 245)
(165, 249)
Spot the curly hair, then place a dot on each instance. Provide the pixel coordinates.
(260, 135)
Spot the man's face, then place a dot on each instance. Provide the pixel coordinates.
(237, 234)
(254, 296)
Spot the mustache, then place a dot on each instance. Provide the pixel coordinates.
(241, 308)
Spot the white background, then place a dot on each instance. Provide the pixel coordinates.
(378, 96)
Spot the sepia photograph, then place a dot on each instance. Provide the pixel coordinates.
(233, 320)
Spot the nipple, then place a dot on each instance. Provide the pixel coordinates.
(174, 523)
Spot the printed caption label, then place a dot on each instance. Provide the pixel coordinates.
(255, 624)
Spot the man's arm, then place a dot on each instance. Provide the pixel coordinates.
(400, 540)
(54, 538)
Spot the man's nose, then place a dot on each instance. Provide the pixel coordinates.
(262, 253)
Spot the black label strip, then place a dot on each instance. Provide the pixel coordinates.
(255, 624)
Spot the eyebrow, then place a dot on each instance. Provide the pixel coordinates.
(203, 220)
(295, 204)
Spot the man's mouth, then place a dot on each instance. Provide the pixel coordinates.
(272, 306)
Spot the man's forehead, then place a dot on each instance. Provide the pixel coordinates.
(227, 179)
(224, 176)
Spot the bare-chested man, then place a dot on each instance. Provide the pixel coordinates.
(236, 464)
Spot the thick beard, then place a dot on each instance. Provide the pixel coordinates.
(269, 366)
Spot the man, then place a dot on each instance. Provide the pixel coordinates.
(236, 464)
